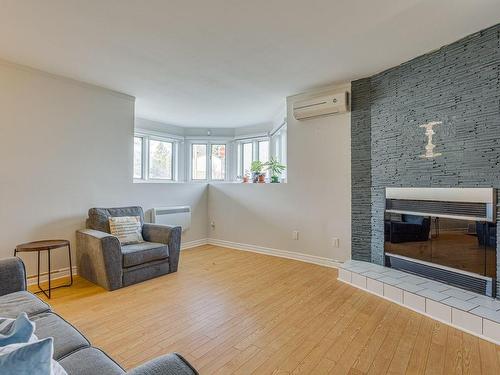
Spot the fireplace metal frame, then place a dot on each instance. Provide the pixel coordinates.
(483, 204)
(479, 196)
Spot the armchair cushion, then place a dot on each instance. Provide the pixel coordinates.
(143, 252)
(99, 217)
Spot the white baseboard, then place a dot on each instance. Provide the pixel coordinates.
(321, 261)
(54, 275)
(195, 243)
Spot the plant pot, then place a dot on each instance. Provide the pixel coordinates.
(275, 180)
(262, 179)
(245, 179)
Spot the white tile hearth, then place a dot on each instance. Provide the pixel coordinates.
(413, 301)
(493, 315)
(460, 304)
(467, 321)
(375, 286)
(438, 310)
(390, 280)
(373, 275)
(344, 275)
(409, 287)
(393, 293)
(486, 302)
(465, 310)
(491, 330)
(432, 285)
(460, 294)
(432, 294)
(358, 280)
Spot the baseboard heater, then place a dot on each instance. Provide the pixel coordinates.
(461, 279)
(175, 215)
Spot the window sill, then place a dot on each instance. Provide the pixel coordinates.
(139, 181)
(210, 182)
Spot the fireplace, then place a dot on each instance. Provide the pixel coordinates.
(445, 234)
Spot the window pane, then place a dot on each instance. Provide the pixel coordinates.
(264, 151)
(137, 157)
(247, 157)
(218, 162)
(277, 146)
(199, 160)
(160, 160)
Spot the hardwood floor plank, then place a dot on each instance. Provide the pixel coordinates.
(236, 312)
(437, 350)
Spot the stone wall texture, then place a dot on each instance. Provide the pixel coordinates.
(459, 85)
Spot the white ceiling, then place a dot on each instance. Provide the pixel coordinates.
(223, 63)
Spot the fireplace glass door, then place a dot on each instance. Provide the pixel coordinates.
(461, 244)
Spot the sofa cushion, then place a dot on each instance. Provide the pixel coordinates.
(99, 217)
(143, 252)
(11, 305)
(90, 361)
(170, 364)
(66, 338)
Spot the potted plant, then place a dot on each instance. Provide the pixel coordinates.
(257, 174)
(276, 169)
(245, 177)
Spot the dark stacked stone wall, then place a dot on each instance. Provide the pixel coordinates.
(459, 85)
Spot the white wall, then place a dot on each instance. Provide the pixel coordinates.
(316, 201)
(67, 146)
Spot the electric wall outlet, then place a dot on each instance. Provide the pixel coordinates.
(212, 224)
(295, 235)
(335, 242)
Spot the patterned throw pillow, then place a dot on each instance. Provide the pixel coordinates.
(128, 229)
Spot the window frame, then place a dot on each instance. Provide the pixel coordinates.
(255, 151)
(141, 177)
(146, 138)
(279, 144)
(209, 151)
(208, 144)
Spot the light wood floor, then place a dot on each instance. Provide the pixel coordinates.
(231, 311)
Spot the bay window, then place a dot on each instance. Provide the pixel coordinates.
(163, 157)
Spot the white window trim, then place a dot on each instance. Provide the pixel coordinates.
(182, 154)
(203, 141)
(255, 150)
(146, 137)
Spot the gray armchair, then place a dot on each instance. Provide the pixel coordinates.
(104, 261)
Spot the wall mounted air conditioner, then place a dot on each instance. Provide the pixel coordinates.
(321, 106)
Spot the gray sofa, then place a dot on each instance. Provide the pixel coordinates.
(102, 260)
(71, 349)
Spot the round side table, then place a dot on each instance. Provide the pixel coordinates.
(46, 245)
